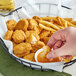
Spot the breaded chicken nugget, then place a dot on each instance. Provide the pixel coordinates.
(19, 36)
(44, 33)
(22, 25)
(21, 55)
(38, 29)
(45, 39)
(37, 46)
(8, 35)
(22, 48)
(32, 24)
(28, 33)
(30, 57)
(31, 39)
(11, 24)
(14, 44)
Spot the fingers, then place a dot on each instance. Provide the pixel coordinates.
(57, 45)
(58, 36)
(59, 52)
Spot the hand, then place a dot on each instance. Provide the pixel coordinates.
(63, 43)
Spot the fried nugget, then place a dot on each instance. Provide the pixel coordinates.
(30, 57)
(19, 36)
(41, 57)
(32, 24)
(11, 24)
(8, 35)
(38, 29)
(14, 44)
(22, 48)
(31, 39)
(44, 33)
(45, 39)
(37, 46)
(28, 33)
(21, 55)
(22, 25)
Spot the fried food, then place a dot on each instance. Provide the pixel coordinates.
(67, 58)
(45, 39)
(50, 24)
(47, 28)
(11, 24)
(30, 57)
(21, 55)
(8, 35)
(41, 57)
(48, 18)
(68, 19)
(22, 25)
(18, 36)
(14, 44)
(22, 48)
(37, 18)
(37, 46)
(73, 22)
(44, 34)
(31, 39)
(32, 24)
(62, 21)
(28, 33)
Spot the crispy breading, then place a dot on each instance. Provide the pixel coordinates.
(46, 50)
(22, 25)
(22, 48)
(22, 55)
(31, 39)
(45, 39)
(38, 29)
(28, 33)
(37, 46)
(8, 35)
(14, 44)
(11, 24)
(44, 33)
(30, 57)
(32, 24)
(19, 36)
(41, 57)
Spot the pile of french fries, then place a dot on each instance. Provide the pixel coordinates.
(54, 23)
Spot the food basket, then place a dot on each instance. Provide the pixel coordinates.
(50, 10)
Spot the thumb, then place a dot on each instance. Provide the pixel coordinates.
(59, 52)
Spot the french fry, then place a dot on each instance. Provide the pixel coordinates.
(73, 22)
(47, 28)
(68, 23)
(68, 19)
(49, 24)
(47, 18)
(36, 18)
(61, 27)
(60, 21)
